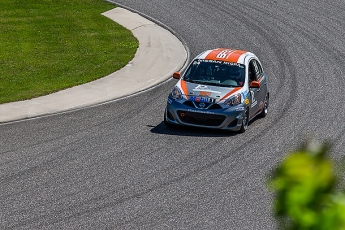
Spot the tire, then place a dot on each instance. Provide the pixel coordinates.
(265, 109)
(245, 121)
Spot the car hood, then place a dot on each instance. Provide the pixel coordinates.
(195, 92)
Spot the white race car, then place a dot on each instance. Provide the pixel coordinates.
(221, 89)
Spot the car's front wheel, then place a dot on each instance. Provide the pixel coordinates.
(245, 121)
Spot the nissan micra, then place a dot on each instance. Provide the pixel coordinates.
(220, 89)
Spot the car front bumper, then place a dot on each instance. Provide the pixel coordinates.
(226, 119)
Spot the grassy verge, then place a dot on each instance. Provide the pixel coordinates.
(49, 45)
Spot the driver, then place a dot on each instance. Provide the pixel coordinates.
(220, 74)
(236, 76)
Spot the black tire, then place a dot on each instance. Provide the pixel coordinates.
(245, 121)
(265, 109)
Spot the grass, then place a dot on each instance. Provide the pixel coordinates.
(49, 45)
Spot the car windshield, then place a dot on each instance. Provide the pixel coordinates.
(217, 73)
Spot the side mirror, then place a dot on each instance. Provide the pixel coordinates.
(254, 84)
(177, 75)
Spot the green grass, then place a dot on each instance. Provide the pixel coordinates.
(49, 45)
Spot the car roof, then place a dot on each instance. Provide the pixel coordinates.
(225, 54)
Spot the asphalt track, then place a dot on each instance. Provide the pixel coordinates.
(116, 166)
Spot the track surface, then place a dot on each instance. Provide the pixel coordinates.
(117, 166)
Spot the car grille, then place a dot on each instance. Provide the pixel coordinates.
(208, 106)
(201, 118)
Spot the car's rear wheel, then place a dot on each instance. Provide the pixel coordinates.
(245, 121)
(265, 109)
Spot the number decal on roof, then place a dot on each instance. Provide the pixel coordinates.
(223, 54)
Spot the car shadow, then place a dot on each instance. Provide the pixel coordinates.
(190, 131)
(161, 128)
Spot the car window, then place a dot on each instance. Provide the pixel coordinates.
(255, 70)
(259, 68)
(217, 73)
(252, 71)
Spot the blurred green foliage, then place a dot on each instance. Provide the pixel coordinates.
(306, 194)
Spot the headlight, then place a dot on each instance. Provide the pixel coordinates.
(176, 93)
(233, 100)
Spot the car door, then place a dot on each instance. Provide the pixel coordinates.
(257, 94)
(262, 79)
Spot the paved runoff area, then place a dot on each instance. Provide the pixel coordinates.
(159, 54)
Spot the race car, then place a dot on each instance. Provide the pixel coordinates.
(221, 89)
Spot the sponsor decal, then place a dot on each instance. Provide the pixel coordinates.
(240, 109)
(200, 111)
(204, 93)
(205, 89)
(202, 99)
(245, 94)
(197, 62)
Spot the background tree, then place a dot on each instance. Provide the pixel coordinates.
(306, 194)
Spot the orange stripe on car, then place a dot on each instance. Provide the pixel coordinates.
(217, 54)
(225, 55)
(233, 57)
(184, 88)
(231, 92)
